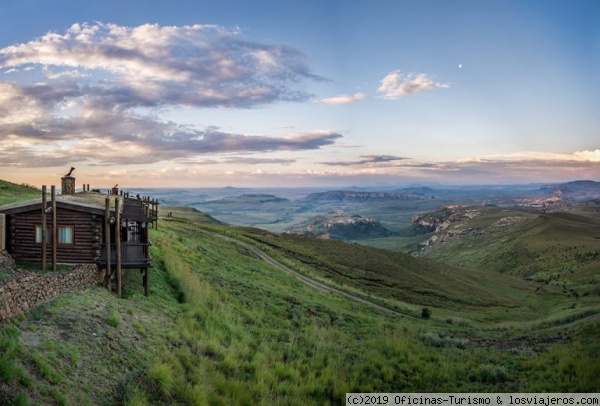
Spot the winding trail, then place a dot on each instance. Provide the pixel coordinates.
(308, 281)
(325, 288)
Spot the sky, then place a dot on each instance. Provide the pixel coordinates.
(278, 93)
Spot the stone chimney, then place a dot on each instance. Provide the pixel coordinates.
(67, 185)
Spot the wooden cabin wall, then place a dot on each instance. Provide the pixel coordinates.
(87, 237)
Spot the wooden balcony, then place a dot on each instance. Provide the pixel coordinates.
(133, 255)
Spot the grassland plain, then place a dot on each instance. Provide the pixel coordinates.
(223, 327)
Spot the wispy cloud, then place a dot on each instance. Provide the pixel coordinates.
(141, 140)
(527, 166)
(396, 84)
(242, 161)
(393, 86)
(366, 160)
(343, 99)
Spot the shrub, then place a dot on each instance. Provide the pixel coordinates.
(489, 373)
(114, 319)
(425, 313)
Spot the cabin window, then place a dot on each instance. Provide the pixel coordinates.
(65, 234)
(38, 235)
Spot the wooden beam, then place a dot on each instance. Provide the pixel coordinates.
(118, 247)
(107, 242)
(146, 240)
(44, 225)
(54, 227)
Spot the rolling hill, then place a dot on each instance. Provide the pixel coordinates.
(561, 248)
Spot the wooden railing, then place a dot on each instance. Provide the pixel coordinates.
(131, 253)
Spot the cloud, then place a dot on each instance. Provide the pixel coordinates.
(519, 167)
(367, 160)
(591, 156)
(105, 138)
(396, 84)
(243, 161)
(343, 99)
(197, 65)
(104, 86)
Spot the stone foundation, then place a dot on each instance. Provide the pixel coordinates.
(27, 289)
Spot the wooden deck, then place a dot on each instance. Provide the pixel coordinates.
(133, 255)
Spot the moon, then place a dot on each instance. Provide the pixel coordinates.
(460, 66)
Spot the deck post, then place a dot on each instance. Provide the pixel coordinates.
(118, 247)
(54, 227)
(146, 284)
(155, 213)
(107, 242)
(44, 225)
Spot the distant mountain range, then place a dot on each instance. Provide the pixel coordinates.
(356, 196)
(576, 190)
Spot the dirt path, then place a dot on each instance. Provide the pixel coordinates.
(578, 321)
(308, 281)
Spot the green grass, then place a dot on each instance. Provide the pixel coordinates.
(12, 193)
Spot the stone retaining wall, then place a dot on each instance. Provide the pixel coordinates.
(27, 289)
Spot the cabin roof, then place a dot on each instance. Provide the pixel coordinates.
(133, 209)
(62, 204)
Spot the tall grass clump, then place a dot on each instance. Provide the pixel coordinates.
(162, 375)
(9, 371)
(114, 319)
(9, 352)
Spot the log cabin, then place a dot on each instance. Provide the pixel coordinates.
(81, 234)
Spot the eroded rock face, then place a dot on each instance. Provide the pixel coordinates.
(447, 223)
(340, 225)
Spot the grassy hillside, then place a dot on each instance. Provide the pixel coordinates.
(561, 249)
(13, 193)
(222, 326)
(406, 283)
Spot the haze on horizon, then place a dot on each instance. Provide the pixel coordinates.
(284, 93)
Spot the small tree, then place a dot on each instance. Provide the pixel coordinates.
(425, 313)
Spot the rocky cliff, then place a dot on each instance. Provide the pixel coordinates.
(340, 225)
